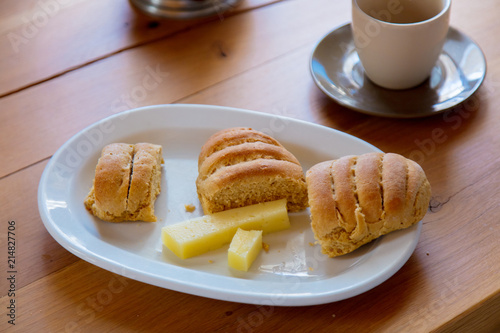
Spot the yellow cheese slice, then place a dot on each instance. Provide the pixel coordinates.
(202, 234)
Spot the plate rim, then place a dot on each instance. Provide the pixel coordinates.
(391, 115)
(200, 289)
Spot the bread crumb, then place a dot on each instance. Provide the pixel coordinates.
(311, 244)
(265, 247)
(311, 269)
(189, 208)
(210, 261)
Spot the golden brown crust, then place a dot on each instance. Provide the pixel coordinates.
(241, 166)
(253, 182)
(356, 199)
(320, 192)
(232, 137)
(368, 185)
(126, 183)
(113, 176)
(145, 181)
(244, 152)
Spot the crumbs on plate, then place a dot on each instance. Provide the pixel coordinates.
(265, 247)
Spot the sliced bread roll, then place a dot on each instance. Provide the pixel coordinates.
(355, 199)
(239, 167)
(127, 182)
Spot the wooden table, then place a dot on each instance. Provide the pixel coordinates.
(66, 64)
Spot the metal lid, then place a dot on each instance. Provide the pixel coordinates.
(183, 9)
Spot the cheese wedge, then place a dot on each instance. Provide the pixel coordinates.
(202, 234)
(244, 248)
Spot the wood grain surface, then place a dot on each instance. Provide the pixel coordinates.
(67, 64)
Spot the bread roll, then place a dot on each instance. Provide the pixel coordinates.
(126, 183)
(240, 166)
(355, 199)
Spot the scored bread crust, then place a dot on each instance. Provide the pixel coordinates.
(241, 166)
(127, 182)
(112, 175)
(232, 137)
(356, 199)
(243, 152)
(145, 181)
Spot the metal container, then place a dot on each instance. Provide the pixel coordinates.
(183, 9)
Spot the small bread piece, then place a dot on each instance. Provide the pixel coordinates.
(239, 166)
(357, 199)
(126, 183)
(108, 196)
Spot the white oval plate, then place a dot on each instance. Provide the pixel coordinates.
(292, 273)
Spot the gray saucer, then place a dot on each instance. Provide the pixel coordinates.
(337, 71)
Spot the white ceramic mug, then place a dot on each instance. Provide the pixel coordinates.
(399, 41)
